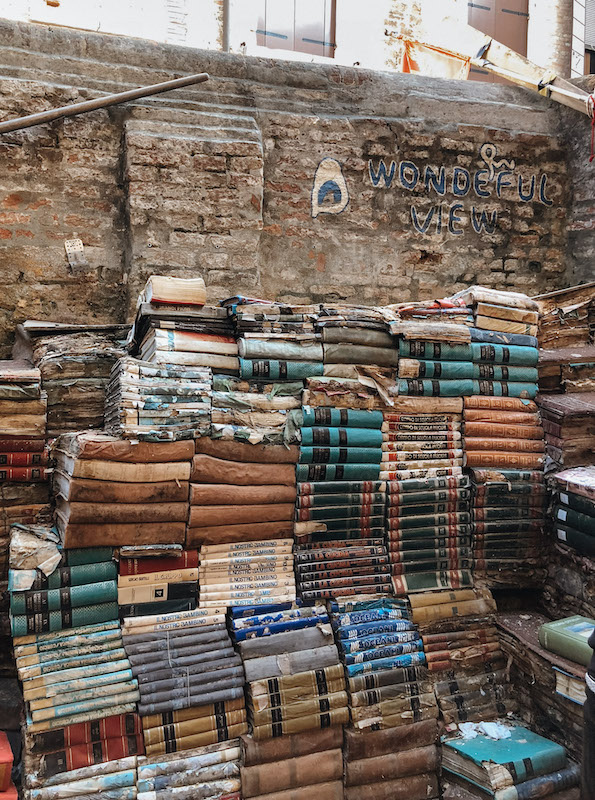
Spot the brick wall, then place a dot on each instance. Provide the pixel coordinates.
(273, 178)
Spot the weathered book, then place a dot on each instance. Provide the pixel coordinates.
(415, 787)
(337, 716)
(140, 566)
(196, 740)
(503, 459)
(206, 469)
(84, 490)
(24, 474)
(425, 581)
(194, 726)
(389, 766)
(569, 638)
(118, 534)
(105, 470)
(84, 755)
(497, 764)
(292, 773)
(99, 446)
(72, 512)
(290, 746)
(67, 617)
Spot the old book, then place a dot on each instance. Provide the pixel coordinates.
(99, 446)
(569, 638)
(122, 471)
(85, 755)
(84, 490)
(166, 289)
(118, 534)
(73, 512)
(292, 773)
(415, 787)
(390, 766)
(496, 764)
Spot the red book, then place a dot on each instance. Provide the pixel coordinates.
(121, 725)
(6, 759)
(85, 755)
(24, 474)
(141, 566)
(18, 444)
(22, 459)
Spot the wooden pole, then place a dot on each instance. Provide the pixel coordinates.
(99, 102)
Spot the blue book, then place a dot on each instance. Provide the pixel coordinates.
(278, 627)
(369, 628)
(495, 337)
(341, 417)
(394, 662)
(379, 653)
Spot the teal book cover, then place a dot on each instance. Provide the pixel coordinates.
(523, 756)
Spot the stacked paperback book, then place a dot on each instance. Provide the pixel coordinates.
(120, 492)
(246, 573)
(240, 492)
(294, 679)
(191, 682)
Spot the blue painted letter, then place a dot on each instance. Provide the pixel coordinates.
(422, 227)
(406, 183)
(387, 177)
(457, 189)
(453, 217)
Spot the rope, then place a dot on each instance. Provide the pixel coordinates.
(591, 110)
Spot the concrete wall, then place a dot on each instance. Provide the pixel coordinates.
(278, 179)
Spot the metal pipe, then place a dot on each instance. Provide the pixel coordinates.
(100, 102)
(225, 24)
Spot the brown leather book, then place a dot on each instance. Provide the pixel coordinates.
(120, 535)
(291, 746)
(185, 714)
(337, 716)
(190, 727)
(333, 790)
(495, 416)
(490, 430)
(101, 446)
(121, 512)
(245, 452)
(205, 516)
(414, 787)
(84, 490)
(500, 403)
(368, 743)
(223, 534)
(504, 459)
(292, 773)
(480, 607)
(197, 740)
(206, 469)
(505, 445)
(209, 494)
(391, 765)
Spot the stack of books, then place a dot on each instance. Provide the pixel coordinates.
(150, 403)
(24, 496)
(246, 573)
(428, 503)
(80, 745)
(173, 327)
(549, 687)
(355, 339)
(382, 653)
(75, 363)
(574, 512)
(241, 492)
(522, 764)
(212, 771)
(463, 653)
(254, 411)
(114, 779)
(191, 681)
(565, 315)
(295, 681)
(158, 585)
(569, 425)
(294, 766)
(120, 492)
(82, 590)
(402, 761)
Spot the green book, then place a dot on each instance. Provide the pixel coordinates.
(579, 503)
(86, 555)
(73, 576)
(49, 621)
(493, 763)
(567, 516)
(569, 638)
(583, 543)
(32, 601)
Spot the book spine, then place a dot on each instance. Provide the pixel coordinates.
(40, 602)
(140, 566)
(85, 755)
(24, 474)
(76, 576)
(50, 621)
